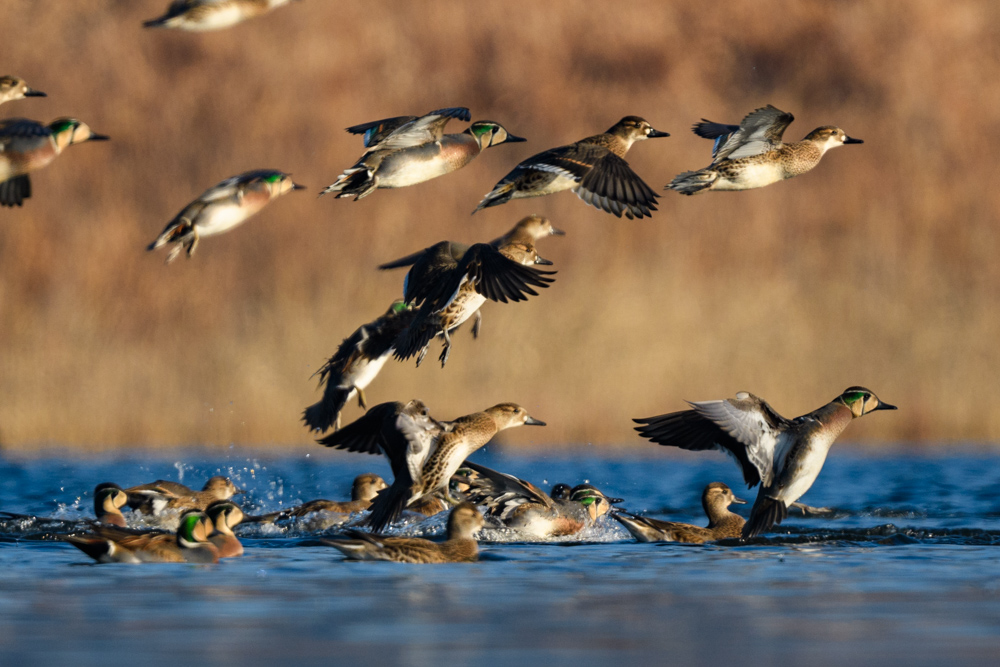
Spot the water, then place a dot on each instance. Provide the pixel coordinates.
(907, 573)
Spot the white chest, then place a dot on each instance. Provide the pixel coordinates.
(221, 218)
(751, 176)
(364, 372)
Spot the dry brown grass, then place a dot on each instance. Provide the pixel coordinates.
(879, 268)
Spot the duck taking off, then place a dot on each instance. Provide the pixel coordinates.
(355, 365)
(752, 155)
(783, 455)
(451, 281)
(223, 207)
(407, 150)
(594, 168)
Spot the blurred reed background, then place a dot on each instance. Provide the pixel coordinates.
(878, 268)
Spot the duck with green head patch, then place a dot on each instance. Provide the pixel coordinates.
(27, 146)
(407, 150)
(520, 505)
(223, 207)
(783, 455)
(110, 544)
(752, 154)
(355, 365)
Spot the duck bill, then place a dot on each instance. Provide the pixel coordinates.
(884, 406)
(614, 501)
(852, 140)
(239, 492)
(557, 232)
(531, 421)
(541, 260)
(98, 137)
(296, 186)
(738, 501)
(30, 92)
(513, 139)
(654, 134)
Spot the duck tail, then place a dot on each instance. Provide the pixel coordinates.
(693, 182)
(325, 413)
(15, 190)
(633, 524)
(388, 506)
(500, 194)
(99, 549)
(357, 182)
(765, 514)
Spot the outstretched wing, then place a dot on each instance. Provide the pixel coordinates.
(365, 433)
(759, 132)
(612, 186)
(431, 267)
(746, 428)
(494, 275)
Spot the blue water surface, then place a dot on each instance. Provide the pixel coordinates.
(907, 572)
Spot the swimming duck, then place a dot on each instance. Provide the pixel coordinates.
(163, 496)
(225, 515)
(16, 88)
(407, 150)
(109, 544)
(594, 168)
(27, 145)
(784, 455)
(355, 365)
(752, 154)
(423, 452)
(223, 207)
(722, 523)
(203, 15)
(363, 491)
(463, 524)
(451, 281)
(518, 504)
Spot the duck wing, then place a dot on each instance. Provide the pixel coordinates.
(612, 186)
(414, 132)
(759, 132)
(493, 275)
(746, 428)
(431, 267)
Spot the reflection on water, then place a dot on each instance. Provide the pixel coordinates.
(905, 573)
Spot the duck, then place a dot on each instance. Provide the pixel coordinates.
(205, 15)
(27, 146)
(722, 523)
(423, 452)
(784, 456)
(594, 168)
(162, 496)
(451, 281)
(752, 155)
(407, 150)
(110, 544)
(15, 88)
(363, 490)
(355, 365)
(459, 547)
(109, 498)
(515, 503)
(225, 515)
(223, 207)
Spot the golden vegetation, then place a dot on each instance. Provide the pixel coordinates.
(878, 268)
